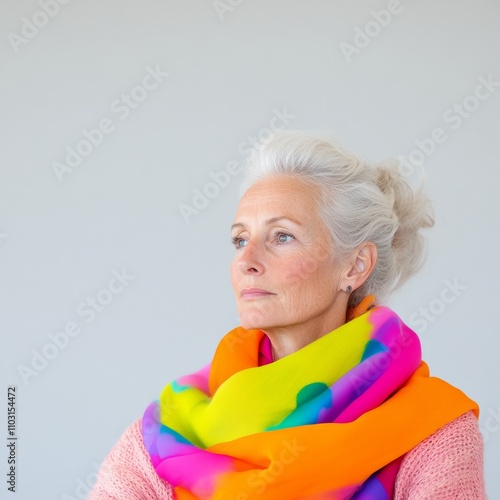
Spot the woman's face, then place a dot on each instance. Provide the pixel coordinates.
(284, 272)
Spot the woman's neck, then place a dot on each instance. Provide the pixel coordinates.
(289, 339)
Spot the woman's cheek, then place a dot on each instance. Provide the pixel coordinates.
(300, 271)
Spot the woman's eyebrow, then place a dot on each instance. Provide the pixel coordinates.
(270, 221)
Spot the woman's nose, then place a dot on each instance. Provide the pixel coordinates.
(250, 261)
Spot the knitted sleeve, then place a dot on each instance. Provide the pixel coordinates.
(127, 472)
(447, 465)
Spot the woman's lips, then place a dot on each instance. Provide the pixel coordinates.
(248, 293)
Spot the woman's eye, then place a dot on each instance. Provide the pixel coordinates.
(238, 242)
(284, 237)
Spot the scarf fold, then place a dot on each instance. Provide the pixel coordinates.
(330, 421)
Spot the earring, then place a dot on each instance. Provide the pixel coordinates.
(348, 289)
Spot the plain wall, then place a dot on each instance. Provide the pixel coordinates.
(63, 235)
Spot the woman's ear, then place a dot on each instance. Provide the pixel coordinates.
(361, 265)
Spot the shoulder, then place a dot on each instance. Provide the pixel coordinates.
(446, 465)
(127, 472)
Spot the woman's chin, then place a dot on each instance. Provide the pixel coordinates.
(249, 325)
(254, 321)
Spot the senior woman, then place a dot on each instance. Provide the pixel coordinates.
(321, 393)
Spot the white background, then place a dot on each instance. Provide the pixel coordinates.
(119, 208)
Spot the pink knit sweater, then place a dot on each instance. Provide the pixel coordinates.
(447, 465)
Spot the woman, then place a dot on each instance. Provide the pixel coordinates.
(321, 393)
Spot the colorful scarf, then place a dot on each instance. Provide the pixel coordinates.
(330, 421)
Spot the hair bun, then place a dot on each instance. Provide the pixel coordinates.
(413, 211)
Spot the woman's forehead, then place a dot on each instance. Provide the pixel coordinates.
(277, 190)
(283, 199)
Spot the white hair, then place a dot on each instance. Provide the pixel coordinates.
(359, 203)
